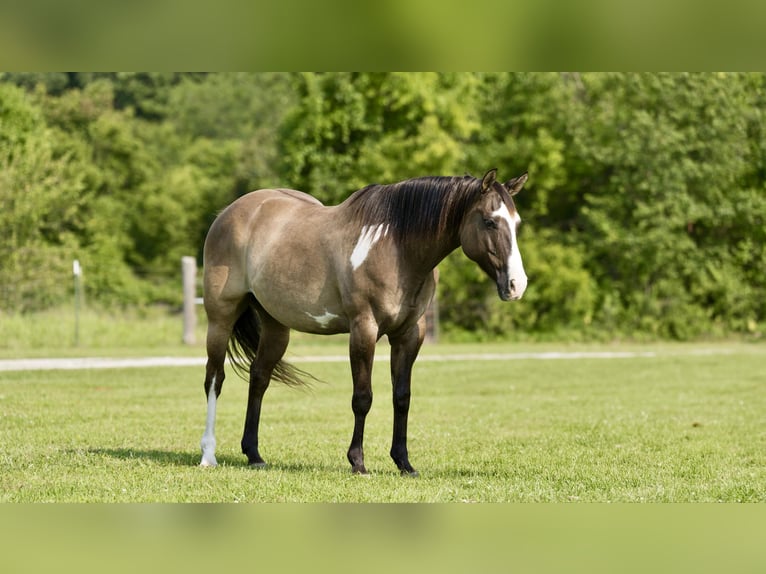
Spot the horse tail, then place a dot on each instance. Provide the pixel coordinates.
(243, 349)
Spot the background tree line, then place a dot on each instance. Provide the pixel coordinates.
(643, 217)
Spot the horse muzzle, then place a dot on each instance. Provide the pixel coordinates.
(511, 289)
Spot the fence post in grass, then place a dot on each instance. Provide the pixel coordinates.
(189, 277)
(77, 273)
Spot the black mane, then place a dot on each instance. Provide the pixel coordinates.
(423, 205)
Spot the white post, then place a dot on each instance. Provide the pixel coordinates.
(77, 273)
(189, 275)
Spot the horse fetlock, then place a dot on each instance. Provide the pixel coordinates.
(355, 456)
(253, 456)
(403, 464)
(207, 444)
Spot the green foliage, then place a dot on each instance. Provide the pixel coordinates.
(662, 160)
(561, 298)
(147, 94)
(135, 195)
(643, 215)
(349, 130)
(519, 133)
(40, 193)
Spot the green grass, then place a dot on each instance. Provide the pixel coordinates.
(673, 428)
(149, 331)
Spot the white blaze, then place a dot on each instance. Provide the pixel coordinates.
(208, 439)
(367, 239)
(516, 271)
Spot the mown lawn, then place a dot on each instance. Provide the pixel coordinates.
(681, 426)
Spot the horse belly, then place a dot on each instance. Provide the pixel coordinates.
(298, 314)
(290, 270)
(300, 296)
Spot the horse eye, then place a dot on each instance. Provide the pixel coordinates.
(490, 223)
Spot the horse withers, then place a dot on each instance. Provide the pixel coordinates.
(277, 259)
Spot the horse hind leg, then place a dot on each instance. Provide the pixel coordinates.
(217, 341)
(272, 344)
(207, 444)
(222, 315)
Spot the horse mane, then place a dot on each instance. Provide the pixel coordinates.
(422, 205)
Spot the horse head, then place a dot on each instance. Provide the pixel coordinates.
(488, 235)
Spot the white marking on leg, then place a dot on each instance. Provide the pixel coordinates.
(325, 319)
(516, 271)
(208, 439)
(367, 239)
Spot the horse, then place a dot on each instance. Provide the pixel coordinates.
(278, 259)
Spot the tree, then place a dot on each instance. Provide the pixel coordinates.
(235, 110)
(523, 128)
(352, 129)
(644, 213)
(41, 196)
(662, 158)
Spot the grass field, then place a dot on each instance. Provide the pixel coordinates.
(681, 426)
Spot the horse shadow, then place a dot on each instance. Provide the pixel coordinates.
(191, 459)
(160, 457)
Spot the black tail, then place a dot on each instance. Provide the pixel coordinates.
(243, 347)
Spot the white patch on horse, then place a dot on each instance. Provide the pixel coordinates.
(367, 239)
(208, 439)
(324, 319)
(516, 271)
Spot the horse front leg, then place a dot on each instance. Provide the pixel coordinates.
(404, 351)
(361, 353)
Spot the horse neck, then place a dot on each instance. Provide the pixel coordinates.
(426, 214)
(437, 243)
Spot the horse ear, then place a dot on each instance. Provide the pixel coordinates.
(489, 179)
(514, 185)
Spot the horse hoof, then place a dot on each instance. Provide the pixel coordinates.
(208, 462)
(360, 470)
(411, 473)
(258, 464)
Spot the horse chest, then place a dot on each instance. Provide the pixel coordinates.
(394, 302)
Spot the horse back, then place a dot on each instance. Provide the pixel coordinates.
(235, 223)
